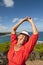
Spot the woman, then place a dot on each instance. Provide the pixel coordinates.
(21, 45)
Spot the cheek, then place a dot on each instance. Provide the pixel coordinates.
(23, 40)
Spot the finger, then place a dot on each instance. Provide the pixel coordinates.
(29, 17)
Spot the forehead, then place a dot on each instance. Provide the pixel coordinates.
(21, 35)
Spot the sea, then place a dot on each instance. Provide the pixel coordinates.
(6, 38)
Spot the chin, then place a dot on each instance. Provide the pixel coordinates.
(23, 43)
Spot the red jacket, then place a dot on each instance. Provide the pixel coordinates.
(19, 57)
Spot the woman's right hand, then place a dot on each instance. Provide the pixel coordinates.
(29, 19)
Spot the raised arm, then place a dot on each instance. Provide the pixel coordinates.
(14, 28)
(13, 36)
(34, 29)
(28, 47)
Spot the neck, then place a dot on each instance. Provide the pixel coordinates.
(18, 44)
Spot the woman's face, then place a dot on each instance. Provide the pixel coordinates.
(21, 39)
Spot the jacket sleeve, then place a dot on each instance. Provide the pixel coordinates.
(13, 38)
(28, 47)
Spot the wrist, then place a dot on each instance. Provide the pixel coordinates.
(30, 21)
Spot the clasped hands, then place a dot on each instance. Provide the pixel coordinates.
(29, 19)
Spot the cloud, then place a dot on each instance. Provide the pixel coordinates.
(15, 19)
(41, 20)
(8, 3)
(35, 19)
(3, 28)
(38, 19)
(4, 19)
